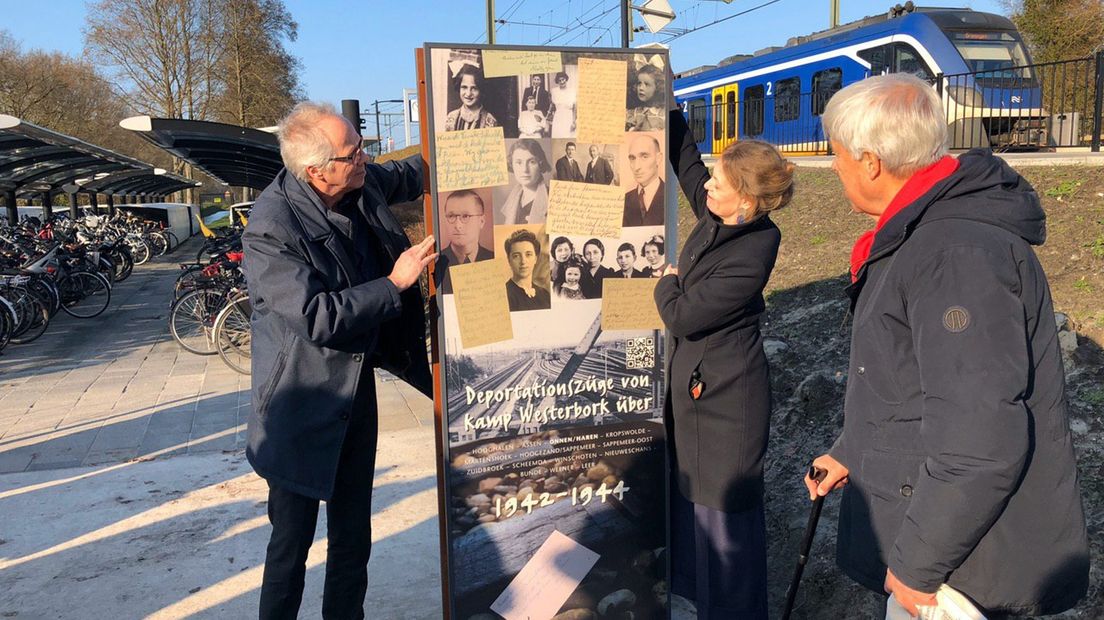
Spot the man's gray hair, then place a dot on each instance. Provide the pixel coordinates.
(897, 117)
(302, 142)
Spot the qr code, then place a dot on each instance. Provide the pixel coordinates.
(640, 353)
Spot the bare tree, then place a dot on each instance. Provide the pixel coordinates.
(158, 50)
(260, 78)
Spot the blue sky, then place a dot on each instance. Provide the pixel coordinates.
(365, 49)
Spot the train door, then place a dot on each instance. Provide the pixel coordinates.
(724, 116)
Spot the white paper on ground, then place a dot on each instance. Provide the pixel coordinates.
(546, 581)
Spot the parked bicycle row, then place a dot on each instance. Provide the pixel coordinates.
(210, 310)
(64, 265)
(60, 265)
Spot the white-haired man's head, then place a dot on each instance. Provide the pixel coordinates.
(302, 141)
(898, 118)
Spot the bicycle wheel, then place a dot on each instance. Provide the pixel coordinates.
(173, 241)
(84, 294)
(125, 262)
(140, 252)
(7, 322)
(37, 319)
(106, 268)
(158, 244)
(187, 279)
(233, 336)
(192, 320)
(46, 289)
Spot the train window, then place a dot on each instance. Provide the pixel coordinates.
(996, 54)
(876, 56)
(730, 114)
(787, 99)
(696, 117)
(908, 60)
(754, 97)
(825, 84)
(718, 127)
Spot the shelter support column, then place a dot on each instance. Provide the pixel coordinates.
(13, 212)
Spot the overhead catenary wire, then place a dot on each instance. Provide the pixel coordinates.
(723, 19)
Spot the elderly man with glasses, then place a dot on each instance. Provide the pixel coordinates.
(333, 282)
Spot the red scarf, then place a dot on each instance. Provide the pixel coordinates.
(917, 185)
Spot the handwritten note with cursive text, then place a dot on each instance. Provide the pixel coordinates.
(497, 63)
(585, 209)
(601, 102)
(474, 158)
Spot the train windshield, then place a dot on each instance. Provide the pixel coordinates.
(996, 54)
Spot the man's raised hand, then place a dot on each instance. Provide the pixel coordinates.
(411, 263)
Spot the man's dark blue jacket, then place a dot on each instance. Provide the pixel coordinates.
(316, 323)
(955, 432)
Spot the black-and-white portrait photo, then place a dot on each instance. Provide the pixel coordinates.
(465, 231)
(472, 100)
(536, 86)
(597, 265)
(600, 165)
(569, 163)
(643, 165)
(646, 105)
(525, 290)
(564, 91)
(525, 199)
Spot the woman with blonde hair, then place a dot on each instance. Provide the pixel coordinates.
(717, 408)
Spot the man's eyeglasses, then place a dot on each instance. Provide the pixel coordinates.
(463, 218)
(351, 158)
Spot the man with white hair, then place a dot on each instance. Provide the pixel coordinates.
(955, 449)
(333, 283)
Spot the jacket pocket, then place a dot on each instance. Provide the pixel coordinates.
(266, 392)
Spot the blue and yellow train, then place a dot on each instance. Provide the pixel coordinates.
(976, 60)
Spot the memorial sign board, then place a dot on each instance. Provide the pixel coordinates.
(548, 195)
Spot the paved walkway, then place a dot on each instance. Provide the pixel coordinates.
(124, 491)
(117, 387)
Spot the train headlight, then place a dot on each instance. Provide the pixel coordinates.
(967, 96)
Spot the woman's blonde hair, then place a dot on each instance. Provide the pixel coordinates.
(756, 170)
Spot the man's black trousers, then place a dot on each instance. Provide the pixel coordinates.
(348, 517)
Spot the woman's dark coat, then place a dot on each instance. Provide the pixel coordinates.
(711, 310)
(317, 328)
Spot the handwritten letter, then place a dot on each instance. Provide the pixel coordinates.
(474, 158)
(585, 209)
(629, 303)
(481, 306)
(601, 103)
(546, 581)
(497, 63)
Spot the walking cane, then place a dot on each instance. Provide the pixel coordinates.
(818, 475)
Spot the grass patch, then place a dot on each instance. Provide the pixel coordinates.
(818, 239)
(1083, 285)
(1063, 189)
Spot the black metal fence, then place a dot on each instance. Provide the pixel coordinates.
(1046, 106)
(1041, 107)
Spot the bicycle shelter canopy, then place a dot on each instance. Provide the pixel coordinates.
(238, 156)
(35, 161)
